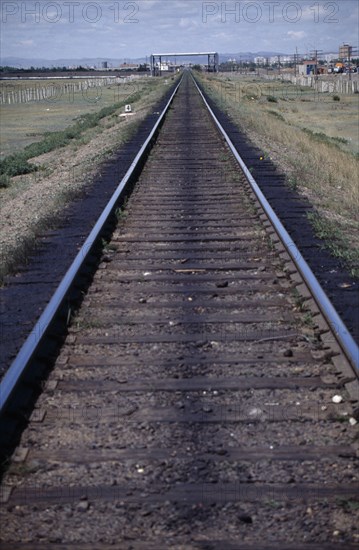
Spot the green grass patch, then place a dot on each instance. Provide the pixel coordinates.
(277, 115)
(293, 182)
(323, 138)
(4, 181)
(299, 300)
(17, 164)
(335, 242)
(350, 505)
(14, 165)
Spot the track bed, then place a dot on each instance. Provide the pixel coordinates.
(192, 403)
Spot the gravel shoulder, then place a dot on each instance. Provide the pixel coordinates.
(35, 202)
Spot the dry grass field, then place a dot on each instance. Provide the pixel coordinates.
(25, 123)
(313, 138)
(32, 202)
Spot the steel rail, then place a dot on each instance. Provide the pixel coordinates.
(31, 344)
(339, 329)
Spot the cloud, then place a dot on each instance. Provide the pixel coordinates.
(149, 4)
(296, 35)
(26, 43)
(178, 24)
(223, 36)
(186, 23)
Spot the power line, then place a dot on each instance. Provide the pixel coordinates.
(316, 54)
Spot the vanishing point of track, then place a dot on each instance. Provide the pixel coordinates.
(196, 402)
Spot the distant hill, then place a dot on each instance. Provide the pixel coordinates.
(23, 63)
(249, 56)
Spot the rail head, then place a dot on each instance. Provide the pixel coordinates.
(338, 328)
(39, 331)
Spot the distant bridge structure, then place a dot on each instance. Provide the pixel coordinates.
(156, 58)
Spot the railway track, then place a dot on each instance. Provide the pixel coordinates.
(200, 399)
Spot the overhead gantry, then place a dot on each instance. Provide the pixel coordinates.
(156, 60)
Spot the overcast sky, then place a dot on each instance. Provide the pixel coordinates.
(126, 29)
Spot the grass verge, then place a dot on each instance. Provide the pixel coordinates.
(321, 166)
(34, 202)
(17, 164)
(335, 242)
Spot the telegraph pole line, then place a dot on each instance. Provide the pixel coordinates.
(351, 50)
(315, 54)
(296, 61)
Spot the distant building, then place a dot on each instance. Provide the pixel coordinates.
(104, 65)
(308, 67)
(260, 60)
(329, 56)
(274, 60)
(128, 66)
(345, 52)
(163, 67)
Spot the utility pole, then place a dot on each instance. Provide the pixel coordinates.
(278, 64)
(351, 50)
(296, 61)
(315, 54)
